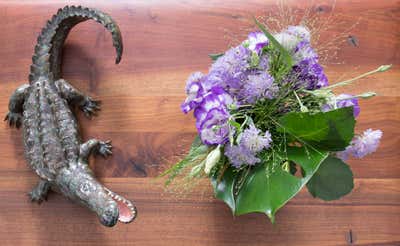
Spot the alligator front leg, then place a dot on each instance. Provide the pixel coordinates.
(15, 106)
(77, 98)
(39, 193)
(96, 147)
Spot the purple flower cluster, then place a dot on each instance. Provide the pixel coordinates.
(242, 77)
(362, 145)
(258, 86)
(307, 72)
(249, 144)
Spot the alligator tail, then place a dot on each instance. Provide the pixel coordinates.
(46, 60)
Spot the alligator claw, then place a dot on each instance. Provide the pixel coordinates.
(105, 148)
(90, 107)
(37, 196)
(14, 119)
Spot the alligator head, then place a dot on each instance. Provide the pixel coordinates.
(79, 184)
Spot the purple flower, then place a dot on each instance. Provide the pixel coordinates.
(212, 116)
(342, 101)
(299, 31)
(239, 156)
(258, 86)
(366, 143)
(304, 51)
(362, 145)
(346, 100)
(253, 141)
(214, 129)
(308, 74)
(230, 70)
(257, 41)
(264, 63)
(194, 92)
(250, 143)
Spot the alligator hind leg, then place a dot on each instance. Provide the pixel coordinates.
(77, 98)
(15, 106)
(96, 147)
(39, 193)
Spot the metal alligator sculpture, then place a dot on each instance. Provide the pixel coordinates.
(53, 147)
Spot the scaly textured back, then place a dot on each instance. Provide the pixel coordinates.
(47, 57)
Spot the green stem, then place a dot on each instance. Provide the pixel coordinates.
(346, 82)
(302, 107)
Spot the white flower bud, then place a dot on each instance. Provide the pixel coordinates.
(212, 159)
(384, 68)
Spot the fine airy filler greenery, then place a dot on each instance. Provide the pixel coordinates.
(269, 123)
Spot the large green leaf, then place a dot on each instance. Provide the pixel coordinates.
(333, 180)
(267, 192)
(224, 188)
(331, 131)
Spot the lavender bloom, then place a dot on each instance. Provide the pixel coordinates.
(342, 101)
(253, 141)
(264, 63)
(250, 143)
(230, 70)
(366, 144)
(345, 154)
(362, 145)
(256, 41)
(239, 156)
(258, 86)
(308, 74)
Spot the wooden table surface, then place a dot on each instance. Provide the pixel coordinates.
(164, 42)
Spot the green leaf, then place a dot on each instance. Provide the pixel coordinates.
(283, 51)
(224, 188)
(331, 131)
(267, 192)
(333, 180)
(215, 57)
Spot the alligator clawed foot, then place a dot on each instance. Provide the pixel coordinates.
(90, 107)
(14, 119)
(105, 148)
(37, 196)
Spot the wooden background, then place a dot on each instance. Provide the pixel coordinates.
(164, 42)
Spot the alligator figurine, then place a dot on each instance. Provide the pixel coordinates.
(53, 147)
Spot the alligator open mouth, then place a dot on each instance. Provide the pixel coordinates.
(127, 211)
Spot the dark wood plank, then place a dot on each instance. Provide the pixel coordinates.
(371, 213)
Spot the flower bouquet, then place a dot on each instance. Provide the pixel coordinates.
(269, 123)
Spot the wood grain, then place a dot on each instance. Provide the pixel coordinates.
(164, 42)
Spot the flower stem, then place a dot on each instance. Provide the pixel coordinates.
(382, 68)
(302, 107)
